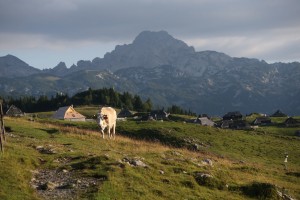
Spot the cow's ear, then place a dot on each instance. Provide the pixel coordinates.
(105, 117)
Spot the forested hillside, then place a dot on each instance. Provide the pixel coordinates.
(100, 97)
(105, 96)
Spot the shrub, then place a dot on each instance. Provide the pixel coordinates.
(260, 190)
(208, 180)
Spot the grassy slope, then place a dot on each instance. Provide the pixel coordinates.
(261, 152)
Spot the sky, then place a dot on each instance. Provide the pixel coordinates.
(45, 32)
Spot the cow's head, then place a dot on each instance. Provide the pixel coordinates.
(102, 121)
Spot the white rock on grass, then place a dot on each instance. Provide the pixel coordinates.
(207, 162)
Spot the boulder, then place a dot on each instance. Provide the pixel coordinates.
(135, 162)
(207, 180)
(207, 162)
(48, 186)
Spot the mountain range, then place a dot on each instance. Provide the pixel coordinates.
(168, 71)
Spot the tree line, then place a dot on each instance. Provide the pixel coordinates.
(105, 96)
(174, 109)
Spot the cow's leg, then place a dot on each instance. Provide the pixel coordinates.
(102, 134)
(109, 133)
(114, 131)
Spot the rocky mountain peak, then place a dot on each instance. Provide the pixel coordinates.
(10, 60)
(61, 65)
(84, 64)
(149, 49)
(152, 36)
(160, 40)
(11, 66)
(59, 70)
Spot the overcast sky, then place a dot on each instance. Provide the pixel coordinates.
(44, 32)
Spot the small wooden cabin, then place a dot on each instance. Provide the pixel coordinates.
(125, 113)
(233, 116)
(262, 121)
(235, 124)
(278, 113)
(14, 111)
(292, 122)
(68, 113)
(204, 121)
(159, 114)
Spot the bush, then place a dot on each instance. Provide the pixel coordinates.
(208, 180)
(261, 191)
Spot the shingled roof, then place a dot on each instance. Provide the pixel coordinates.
(68, 113)
(278, 113)
(125, 113)
(236, 115)
(14, 111)
(205, 121)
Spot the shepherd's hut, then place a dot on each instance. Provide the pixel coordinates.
(68, 113)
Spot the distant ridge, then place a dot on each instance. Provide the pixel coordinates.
(167, 70)
(11, 66)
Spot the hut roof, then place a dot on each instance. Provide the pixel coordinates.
(291, 120)
(262, 120)
(159, 114)
(14, 111)
(233, 115)
(278, 113)
(205, 121)
(67, 112)
(125, 113)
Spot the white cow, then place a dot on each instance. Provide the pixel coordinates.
(106, 118)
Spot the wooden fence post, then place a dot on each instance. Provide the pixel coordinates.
(2, 128)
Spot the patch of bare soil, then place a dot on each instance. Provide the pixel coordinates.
(63, 184)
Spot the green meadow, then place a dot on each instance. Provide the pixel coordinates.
(52, 159)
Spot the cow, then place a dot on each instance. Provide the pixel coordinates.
(106, 118)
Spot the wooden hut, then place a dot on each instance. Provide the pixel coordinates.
(204, 121)
(68, 113)
(159, 114)
(292, 122)
(278, 113)
(262, 121)
(125, 113)
(14, 111)
(233, 116)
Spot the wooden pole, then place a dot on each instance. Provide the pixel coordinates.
(1, 145)
(2, 128)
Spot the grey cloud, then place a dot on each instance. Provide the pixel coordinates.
(122, 20)
(97, 19)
